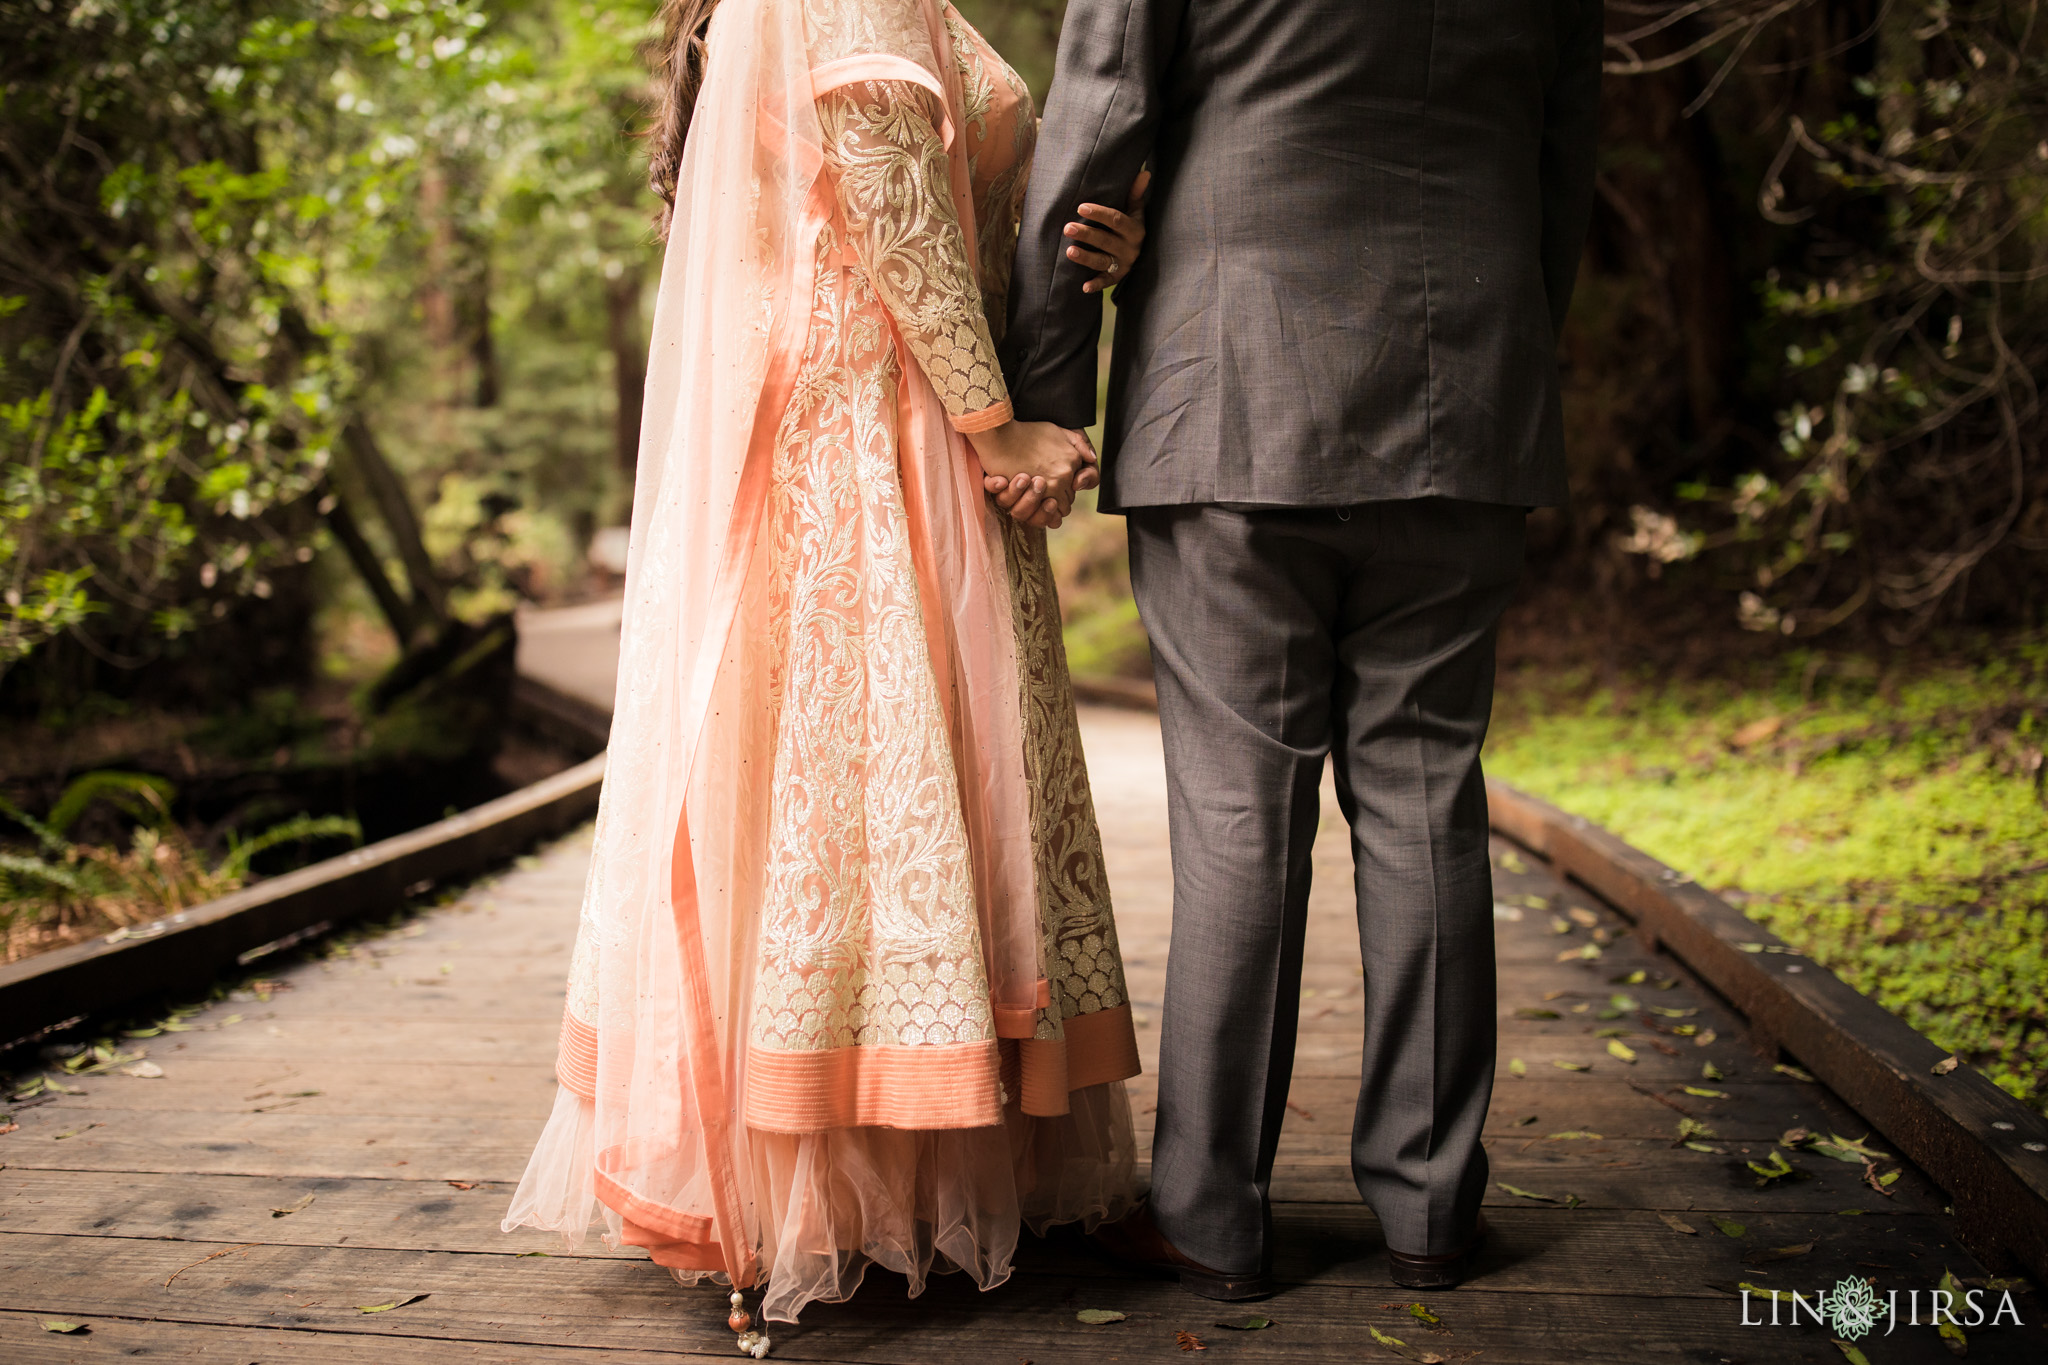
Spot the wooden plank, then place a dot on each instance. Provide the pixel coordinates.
(125, 1339)
(190, 948)
(1968, 1135)
(448, 1147)
(1530, 1303)
(1629, 1175)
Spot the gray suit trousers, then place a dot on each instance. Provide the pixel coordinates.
(1280, 636)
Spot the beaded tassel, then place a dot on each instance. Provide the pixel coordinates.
(751, 1342)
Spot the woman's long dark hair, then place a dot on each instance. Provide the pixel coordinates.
(679, 72)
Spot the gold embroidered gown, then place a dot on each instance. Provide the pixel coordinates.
(897, 1008)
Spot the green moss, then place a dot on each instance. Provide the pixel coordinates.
(1890, 823)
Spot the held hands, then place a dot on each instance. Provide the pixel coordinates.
(1109, 242)
(1033, 469)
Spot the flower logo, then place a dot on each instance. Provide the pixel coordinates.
(1852, 1308)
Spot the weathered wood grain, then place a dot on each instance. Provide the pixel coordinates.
(427, 1076)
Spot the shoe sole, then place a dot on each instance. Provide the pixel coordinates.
(1225, 1288)
(1430, 1279)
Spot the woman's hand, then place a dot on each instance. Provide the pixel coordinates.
(1110, 241)
(1035, 468)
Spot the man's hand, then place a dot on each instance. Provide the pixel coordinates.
(1034, 469)
(1031, 501)
(1115, 238)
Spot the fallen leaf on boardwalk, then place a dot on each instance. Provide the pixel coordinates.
(1617, 1048)
(1510, 913)
(1560, 925)
(524, 1254)
(1520, 1193)
(1518, 1068)
(1839, 1153)
(1253, 1323)
(1523, 1123)
(1705, 1093)
(1766, 1255)
(1512, 862)
(1795, 1137)
(1712, 1073)
(76, 1131)
(1881, 1183)
(1573, 1066)
(465, 1184)
(387, 1307)
(1575, 1135)
(1796, 1073)
(1945, 1065)
(1773, 1170)
(1857, 1146)
(1850, 1213)
(1529, 1012)
(1677, 1224)
(148, 1071)
(1669, 1013)
(1728, 1227)
(1733, 1288)
(1693, 1128)
(1583, 917)
(1665, 1048)
(1403, 1349)
(67, 1328)
(1610, 1033)
(292, 1208)
(1421, 1311)
(1188, 1341)
(1706, 1035)
(1096, 1317)
(6, 1128)
(1851, 1354)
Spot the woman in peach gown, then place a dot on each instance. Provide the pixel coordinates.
(846, 987)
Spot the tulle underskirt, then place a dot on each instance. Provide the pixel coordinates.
(828, 1205)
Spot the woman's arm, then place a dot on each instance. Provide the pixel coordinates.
(895, 190)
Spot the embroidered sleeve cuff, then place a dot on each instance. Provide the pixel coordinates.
(985, 420)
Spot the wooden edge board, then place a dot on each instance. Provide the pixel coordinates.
(1964, 1132)
(191, 947)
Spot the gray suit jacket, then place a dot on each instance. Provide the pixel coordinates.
(1365, 220)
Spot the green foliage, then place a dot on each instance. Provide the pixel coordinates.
(1886, 820)
(224, 223)
(1899, 338)
(65, 891)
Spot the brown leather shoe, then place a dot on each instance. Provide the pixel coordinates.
(1436, 1272)
(1136, 1240)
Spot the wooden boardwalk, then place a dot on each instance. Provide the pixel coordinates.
(348, 1138)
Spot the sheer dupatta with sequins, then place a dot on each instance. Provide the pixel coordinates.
(807, 1016)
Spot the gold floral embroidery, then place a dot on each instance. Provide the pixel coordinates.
(895, 192)
(996, 100)
(869, 930)
(1081, 955)
(859, 28)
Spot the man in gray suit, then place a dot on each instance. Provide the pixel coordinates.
(1332, 400)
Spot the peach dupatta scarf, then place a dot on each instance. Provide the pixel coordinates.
(688, 1136)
